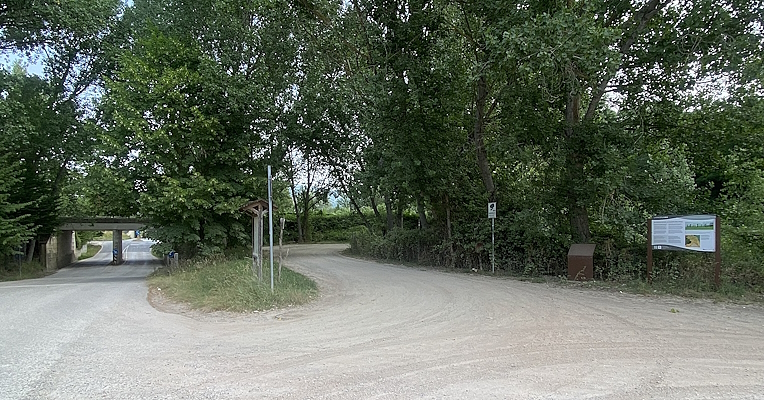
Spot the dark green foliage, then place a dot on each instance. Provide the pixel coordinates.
(14, 232)
(39, 140)
(328, 226)
(42, 120)
(400, 245)
(565, 160)
(581, 119)
(194, 157)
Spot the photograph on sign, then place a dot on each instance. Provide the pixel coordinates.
(691, 232)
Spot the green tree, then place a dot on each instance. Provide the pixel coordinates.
(13, 231)
(642, 52)
(191, 152)
(45, 120)
(43, 136)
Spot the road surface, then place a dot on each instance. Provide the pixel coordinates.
(377, 331)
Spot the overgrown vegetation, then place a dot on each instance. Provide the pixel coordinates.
(218, 283)
(22, 270)
(92, 250)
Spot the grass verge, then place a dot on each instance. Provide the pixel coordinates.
(219, 284)
(93, 249)
(27, 270)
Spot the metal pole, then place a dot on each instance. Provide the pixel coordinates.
(493, 246)
(270, 221)
(650, 251)
(718, 253)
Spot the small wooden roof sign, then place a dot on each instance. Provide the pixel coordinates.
(256, 207)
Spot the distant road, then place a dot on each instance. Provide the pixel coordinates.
(378, 331)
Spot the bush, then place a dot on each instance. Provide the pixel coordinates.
(428, 248)
(83, 237)
(400, 245)
(323, 227)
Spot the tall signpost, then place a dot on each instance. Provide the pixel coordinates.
(256, 209)
(700, 233)
(492, 217)
(270, 221)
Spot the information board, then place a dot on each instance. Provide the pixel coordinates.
(689, 232)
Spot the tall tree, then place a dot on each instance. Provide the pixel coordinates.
(46, 121)
(628, 53)
(43, 139)
(191, 153)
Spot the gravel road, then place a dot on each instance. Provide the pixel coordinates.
(377, 331)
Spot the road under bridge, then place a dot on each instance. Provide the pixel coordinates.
(61, 250)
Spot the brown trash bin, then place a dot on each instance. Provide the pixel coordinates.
(581, 262)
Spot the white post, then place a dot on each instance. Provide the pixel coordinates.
(492, 217)
(281, 242)
(493, 247)
(270, 221)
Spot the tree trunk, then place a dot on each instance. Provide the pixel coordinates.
(399, 213)
(306, 215)
(422, 214)
(478, 134)
(576, 159)
(296, 204)
(578, 214)
(448, 219)
(579, 223)
(373, 201)
(390, 214)
(31, 247)
(306, 199)
(354, 203)
(448, 233)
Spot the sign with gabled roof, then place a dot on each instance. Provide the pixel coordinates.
(256, 207)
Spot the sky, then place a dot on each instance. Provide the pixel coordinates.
(33, 65)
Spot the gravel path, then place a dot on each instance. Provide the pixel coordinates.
(378, 331)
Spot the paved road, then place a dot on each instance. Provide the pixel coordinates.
(378, 331)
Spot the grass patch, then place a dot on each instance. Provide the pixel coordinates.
(27, 270)
(218, 284)
(93, 249)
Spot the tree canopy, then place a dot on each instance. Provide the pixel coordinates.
(580, 118)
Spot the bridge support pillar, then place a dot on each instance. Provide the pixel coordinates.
(59, 251)
(116, 241)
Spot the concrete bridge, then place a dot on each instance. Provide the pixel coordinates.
(60, 250)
